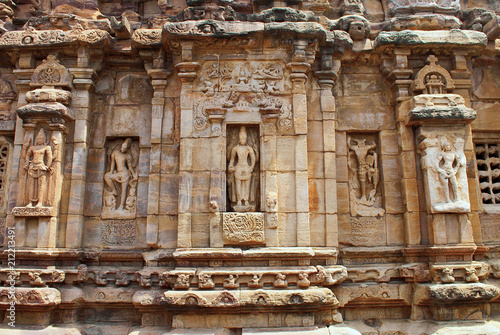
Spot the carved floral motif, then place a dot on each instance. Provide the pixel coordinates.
(51, 73)
(119, 232)
(243, 228)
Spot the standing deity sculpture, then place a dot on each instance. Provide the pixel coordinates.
(446, 178)
(448, 163)
(38, 166)
(242, 162)
(121, 181)
(363, 177)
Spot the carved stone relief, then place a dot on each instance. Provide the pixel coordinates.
(120, 192)
(243, 87)
(51, 73)
(399, 7)
(118, 232)
(364, 176)
(4, 160)
(243, 168)
(243, 228)
(7, 97)
(433, 78)
(444, 165)
(39, 161)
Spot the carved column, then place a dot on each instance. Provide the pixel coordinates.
(40, 183)
(326, 80)
(299, 69)
(84, 83)
(158, 76)
(397, 71)
(23, 72)
(187, 73)
(217, 176)
(269, 166)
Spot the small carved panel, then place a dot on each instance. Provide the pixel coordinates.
(264, 77)
(7, 96)
(243, 168)
(363, 231)
(243, 87)
(51, 73)
(401, 7)
(444, 165)
(364, 176)
(243, 228)
(433, 78)
(120, 179)
(118, 232)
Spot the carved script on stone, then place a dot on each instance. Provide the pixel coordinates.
(243, 228)
(118, 232)
(364, 176)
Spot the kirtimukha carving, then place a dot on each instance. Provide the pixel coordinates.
(121, 180)
(243, 171)
(364, 176)
(446, 179)
(181, 282)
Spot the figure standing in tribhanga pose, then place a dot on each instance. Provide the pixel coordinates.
(39, 160)
(120, 171)
(448, 170)
(242, 171)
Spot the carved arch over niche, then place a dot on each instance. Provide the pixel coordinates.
(424, 76)
(51, 73)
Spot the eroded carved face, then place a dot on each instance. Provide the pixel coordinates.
(243, 137)
(357, 30)
(40, 138)
(124, 147)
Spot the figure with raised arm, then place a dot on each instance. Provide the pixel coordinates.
(120, 172)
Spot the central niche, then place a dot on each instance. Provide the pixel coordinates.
(243, 169)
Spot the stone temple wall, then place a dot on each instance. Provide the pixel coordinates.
(250, 167)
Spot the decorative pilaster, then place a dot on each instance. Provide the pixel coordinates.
(299, 69)
(158, 75)
(84, 85)
(44, 121)
(327, 77)
(187, 73)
